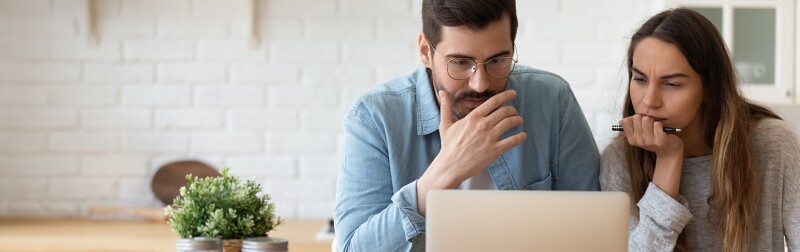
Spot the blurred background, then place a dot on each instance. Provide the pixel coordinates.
(95, 96)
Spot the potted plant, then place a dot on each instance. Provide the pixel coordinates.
(222, 207)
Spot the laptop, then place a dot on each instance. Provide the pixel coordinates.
(493, 220)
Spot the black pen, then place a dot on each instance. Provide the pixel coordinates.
(666, 129)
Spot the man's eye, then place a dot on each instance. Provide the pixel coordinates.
(461, 62)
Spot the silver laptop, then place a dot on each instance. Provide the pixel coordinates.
(492, 220)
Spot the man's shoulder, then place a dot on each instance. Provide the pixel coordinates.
(540, 89)
(536, 81)
(393, 94)
(529, 74)
(396, 90)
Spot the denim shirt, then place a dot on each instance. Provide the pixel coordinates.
(391, 137)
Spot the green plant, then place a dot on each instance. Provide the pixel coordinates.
(221, 207)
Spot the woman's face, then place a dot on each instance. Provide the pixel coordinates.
(665, 87)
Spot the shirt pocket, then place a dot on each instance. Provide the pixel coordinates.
(545, 184)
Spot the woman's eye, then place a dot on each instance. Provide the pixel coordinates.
(639, 80)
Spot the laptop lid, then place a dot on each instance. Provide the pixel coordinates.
(492, 220)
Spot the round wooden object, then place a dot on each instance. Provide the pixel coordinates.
(169, 179)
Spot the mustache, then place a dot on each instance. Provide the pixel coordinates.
(474, 95)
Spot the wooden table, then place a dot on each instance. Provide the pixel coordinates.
(21, 235)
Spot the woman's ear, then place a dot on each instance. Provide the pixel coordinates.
(424, 50)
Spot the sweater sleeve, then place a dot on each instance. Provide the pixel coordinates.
(661, 218)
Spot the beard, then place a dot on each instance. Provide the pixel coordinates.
(456, 97)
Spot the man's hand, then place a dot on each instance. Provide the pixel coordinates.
(470, 144)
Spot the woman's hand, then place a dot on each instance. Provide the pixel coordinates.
(646, 133)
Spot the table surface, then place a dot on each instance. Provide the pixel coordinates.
(102, 235)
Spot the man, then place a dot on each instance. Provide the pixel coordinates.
(457, 123)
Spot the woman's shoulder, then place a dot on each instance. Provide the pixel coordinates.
(613, 167)
(775, 145)
(770, 133)
(615, 149)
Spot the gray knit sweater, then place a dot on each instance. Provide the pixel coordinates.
(777, 155)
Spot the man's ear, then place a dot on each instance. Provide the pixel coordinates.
(424, 50)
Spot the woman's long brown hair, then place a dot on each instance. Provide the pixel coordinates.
(727, 118)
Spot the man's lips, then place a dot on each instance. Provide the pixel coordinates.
(474, 103)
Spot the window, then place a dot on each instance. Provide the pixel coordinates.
(760, 35)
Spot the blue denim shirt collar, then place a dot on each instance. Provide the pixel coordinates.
(428, 109)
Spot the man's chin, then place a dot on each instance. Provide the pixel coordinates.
(461, 113)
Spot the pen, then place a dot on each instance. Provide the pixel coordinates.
(666, 129)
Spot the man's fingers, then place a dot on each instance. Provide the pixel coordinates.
(509, 142)
(446, 110)
(493, 103)
(501, 114)
(507, 124)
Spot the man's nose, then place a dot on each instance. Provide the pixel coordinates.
(479, 81)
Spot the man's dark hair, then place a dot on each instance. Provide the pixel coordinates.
(475, 14)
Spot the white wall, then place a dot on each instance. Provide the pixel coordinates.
(174, 79)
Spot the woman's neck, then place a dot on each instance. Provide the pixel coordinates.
(694, 144)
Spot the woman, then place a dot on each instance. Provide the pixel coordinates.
(730, 179)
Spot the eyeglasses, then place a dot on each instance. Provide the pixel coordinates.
(463, 68)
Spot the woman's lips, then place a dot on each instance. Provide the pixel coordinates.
(656, 118)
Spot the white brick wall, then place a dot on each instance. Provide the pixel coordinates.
(23, 95)
(114, 73)
(47, 166)
(247, 97)
(151, 8)
(114, 166)
(39, 72)
(10, 8)
(230, 50)
(240, 142)
(127, 28)
(22, 49)
(159, 50)
(25, 188)
(22, 142)
(81, 188)
(125, 119)
(79, 96)
(189, 119)
(156, 96)
(207, 73)
(48, 118)
(259, 119)
(172, 80)
(259, 74)
(78, 49)
(135, 192)
(155, 142)
(97, 142)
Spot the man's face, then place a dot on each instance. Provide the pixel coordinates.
(462, 44)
